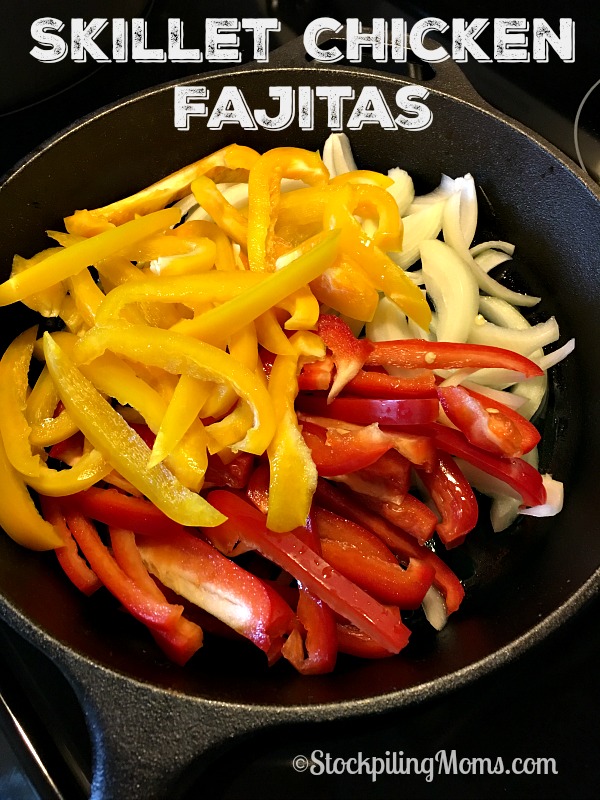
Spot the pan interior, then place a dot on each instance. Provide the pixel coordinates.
(529, 197)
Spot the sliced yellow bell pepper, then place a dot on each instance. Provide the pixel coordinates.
(303, 308)
(43, 398)
(72, 260)
(227, 216)
(18, 515)
(86, 294)
(200, 259)
(181, 355)
(387, 276)
(263, 196)
(223, 165)
(366, 176)
(346, 288)
(49, 301)
(230, 429)
(218, 324)
(120, 444)
(293, 474)
(196, 229)
(91, 468)
(271, 336)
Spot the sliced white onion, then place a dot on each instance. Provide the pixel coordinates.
(389, 323)
(454, 237)
(507, 398)
(485, 483)
(337, 155)
(505, 247)
(440, 193)
(402, 190)
(490, 259)
(554, 500)
(520, 341)
(186, 204)
(453, 289)
(419, 227)
(457, 378)
(468, 207)
(551, 359)
(434, 608)
(503, 512)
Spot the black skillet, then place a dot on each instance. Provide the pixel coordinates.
(151, 722)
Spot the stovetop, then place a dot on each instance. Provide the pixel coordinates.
(544, 705)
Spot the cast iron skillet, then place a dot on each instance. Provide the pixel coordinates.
(150, 720)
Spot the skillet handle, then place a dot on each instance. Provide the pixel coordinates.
(149, 744)
(446, 77)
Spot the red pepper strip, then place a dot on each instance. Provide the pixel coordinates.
(523, 478)
(186, 638)
(235, 475)
(453, 498)
(363, 558)
(364, 411)
(67, 449)
(123, 511)
(401, 543)
(155, 614)
(337, 452)
(413, 353)
(287, 551)
(315, 654)
(354, 642)
(68, 556)
(144, 432)
(417, 449)
(388, 478)
(368, 383)
(411, 515)
(316, 375)
(198, 572)
(332, 527)
(488, 424)
(349, 353)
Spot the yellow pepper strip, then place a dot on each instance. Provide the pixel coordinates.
(48, 302)
(72, 260)
(346, 288)
(70, 315)
(85, 223)
(209, 287)
(303, 308)
(304, 206)
(375, 201)
(87, 295)
(293, 475)
(181, 355)
(183, 410)
(264, 191)
(226, 216)
(223, 164)
(197, 229)
(270, 335)
(387, 276)
(127, 452)
(243, 346)
(66, 239)
(365, 176)
(14, 387)
(230, 429)
(218, 324)
(91, 468)
(18, 515)
(43, 398)
(220, 401)
(52, 430)
(158, 246)
(201, 259)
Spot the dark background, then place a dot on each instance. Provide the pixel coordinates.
(547, 703)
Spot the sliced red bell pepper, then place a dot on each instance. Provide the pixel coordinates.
(403, 544)
(355, 642)
(186, 638)
(387, 478)
(411, 515)
(418, 353)
(292, 555)
(380, 385)
(316, 375)
(418, 449)
(235, 475)
(454, 499)
(349, 353)
(311, 647)
(68, 555)
(364, 410)
(143, 606)
(122, 510)
(332, 527)
(337, 451)
(68, 449)
(488, 424)
(523, 478)
(197, 571)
